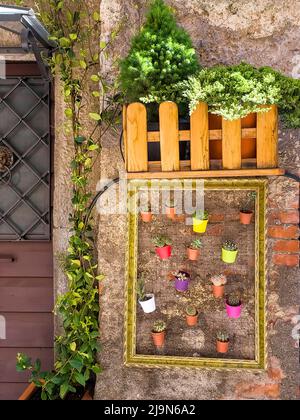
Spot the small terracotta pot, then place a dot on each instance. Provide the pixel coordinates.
(146, 216)
(193, 254)
(222, 347)
(165, 252)
(218, 291)
(159, 338)
(246, 217)
(171, 212)
(192, 321)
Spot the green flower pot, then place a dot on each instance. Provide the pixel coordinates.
(229, 257)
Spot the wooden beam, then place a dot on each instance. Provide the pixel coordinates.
(267, 138)
(137, 146)
(200, 138)
(232, 144)
(125, 134)
(185, 135)
(207, 174)
(169, 136)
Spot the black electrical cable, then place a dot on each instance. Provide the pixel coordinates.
(121, 145)
(292, 176)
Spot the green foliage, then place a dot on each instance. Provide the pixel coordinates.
(196, 244)
(250, 199)
(74, 27)
(236, 91)
(219, 280)
(234, 299)
(140, 290)
(182, 276)
(191, 310)
(229, 245)
(161, 55)
(159, 326)
(201, 215)
(161, 241)
(223, 336)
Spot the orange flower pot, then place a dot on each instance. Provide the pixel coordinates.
(146, 216)
(246, 217)
(171, 212)
(159, 338)
(193, 254)
(222, 347)
(218, 291)
(192, 321)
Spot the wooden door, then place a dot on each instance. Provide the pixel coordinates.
(26, 273)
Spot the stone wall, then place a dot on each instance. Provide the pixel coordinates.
(263, 33)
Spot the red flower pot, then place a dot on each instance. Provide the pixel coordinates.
(165, 252)
(246, 217)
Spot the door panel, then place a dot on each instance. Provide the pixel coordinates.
(26, 294)
(26, 259)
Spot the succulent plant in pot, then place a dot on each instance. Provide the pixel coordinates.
(163, 246)
(193, 251)
(234, 306)
(192, 315)
(218, 287)
(146, 300)
(200, 221)
(222, 342)
(182, 281)
(159, 333)
(246, 213)
(146, 213)
(229, 252)
(171, 209)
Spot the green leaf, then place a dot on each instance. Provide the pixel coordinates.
(96, 94)
(80, 378)
(80, 139)
(103, 44)
(76, 364)
(83, 64)
(44, 396)
(64, 42)
(64, 388)
(73, 346)
(95, 78)
(100, 277)
(76, 262)
(73, 37)
(95, 116)
(68, 113)
(96, 17)
(93, 147)
(96, 369)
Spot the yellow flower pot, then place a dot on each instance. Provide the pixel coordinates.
(229, 257)
(199, 226)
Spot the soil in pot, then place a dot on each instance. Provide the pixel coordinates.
(246, 217)
(222, 347)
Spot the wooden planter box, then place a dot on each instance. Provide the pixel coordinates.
(218, 148)
(31, 389)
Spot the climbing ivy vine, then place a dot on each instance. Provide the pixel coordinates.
(77, 31)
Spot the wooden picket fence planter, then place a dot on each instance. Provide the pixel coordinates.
(218, 148)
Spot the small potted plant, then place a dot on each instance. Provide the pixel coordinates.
(193, 251)
(146, 300)
(182, 281)
(191, 315)
(146, 214)
(200, 221)
(222, 342)
(163, 247)
(218, 287)
(246, 214)
(159, 333)
(234, 306)
(229, 252)
(171, 209)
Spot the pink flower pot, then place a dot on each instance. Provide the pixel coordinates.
(165, 252)
(234, 312)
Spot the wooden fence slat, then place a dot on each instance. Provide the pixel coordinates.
(125, 134)
(232, 144)
(267, 138)
(200, 138)
(137, 144)
(169, 136)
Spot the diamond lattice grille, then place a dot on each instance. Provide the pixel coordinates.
(24, 129)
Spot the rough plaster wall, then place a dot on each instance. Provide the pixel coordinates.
(264, 32)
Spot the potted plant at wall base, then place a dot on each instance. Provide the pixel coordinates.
(192, 315)
(200, 221)
(163, 247)
(171, 209)
(229, 252)
(219, 281)
(146, 300)
(193, 251)
(182, 281)
(222, 342)
(246, 213)
(159, 333)
(234, 306)
(146, 214)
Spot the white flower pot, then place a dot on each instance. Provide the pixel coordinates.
(148, 305)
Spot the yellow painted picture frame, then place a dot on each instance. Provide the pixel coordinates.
(131, 358)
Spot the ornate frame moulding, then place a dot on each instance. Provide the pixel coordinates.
(131, 358)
